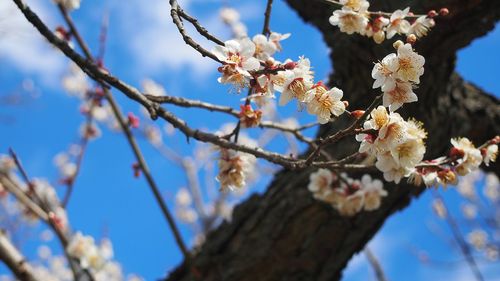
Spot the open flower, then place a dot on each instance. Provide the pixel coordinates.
(398, 23)
(383, 72)
(238, 60)
(349, 21)
(490, 153)
(373, 191)
(353, 204)
(234, 168)
(320, 183)
(401, 93)
(472, 157)
(264, 48)
(421, 26)
(325, 102)
(411, 64)
(275, 38)
(356, 5)
(295, 85)
(249, 117)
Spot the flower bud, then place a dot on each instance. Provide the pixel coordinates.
(290, 65)
(411, 38)
(357, 113)
(133, 120)
(444, 12)
(397, 44)
(379, 36)
(432, 13)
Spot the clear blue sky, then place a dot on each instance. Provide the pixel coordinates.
(142, 43)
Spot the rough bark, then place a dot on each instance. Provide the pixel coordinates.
(285, 234)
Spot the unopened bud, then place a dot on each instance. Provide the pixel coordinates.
(346, 104)
(133, 120)
(432, 13)
(137, 169)
(397, 44)
(444, 12)
(357, 113)
(411, 38)
(290, 65)
(379, 36)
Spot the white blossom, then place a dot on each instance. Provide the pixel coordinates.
(325, 102)
(356, 5)
(276, 38)
(490, 154)
(421, 26)
(238, 60)
(398, 23)
(349, 21)
(264, 48)
(472, 156)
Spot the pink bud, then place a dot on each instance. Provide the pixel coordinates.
(444, 12)
(137, 169)
(432, 13)
(133, 120)
(357, 113)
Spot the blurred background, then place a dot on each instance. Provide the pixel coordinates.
(40, 120)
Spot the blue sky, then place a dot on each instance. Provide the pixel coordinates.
(142, 43)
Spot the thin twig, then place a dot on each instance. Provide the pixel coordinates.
(267, 18)
(133, 143)
(174, 13)
(379, 272)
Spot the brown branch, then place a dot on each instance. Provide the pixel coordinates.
(133, 143)
(15, 260)
(174, 13)
(267, 18)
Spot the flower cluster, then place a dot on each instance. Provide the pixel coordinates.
(397, 74)
(250, 63)
(231, 17)
(347, 196)
(354, 17)
(464, 159)
(397, 145)
(91, 256)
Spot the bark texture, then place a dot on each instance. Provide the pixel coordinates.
(285, 234)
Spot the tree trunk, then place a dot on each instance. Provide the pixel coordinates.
(285, 234)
